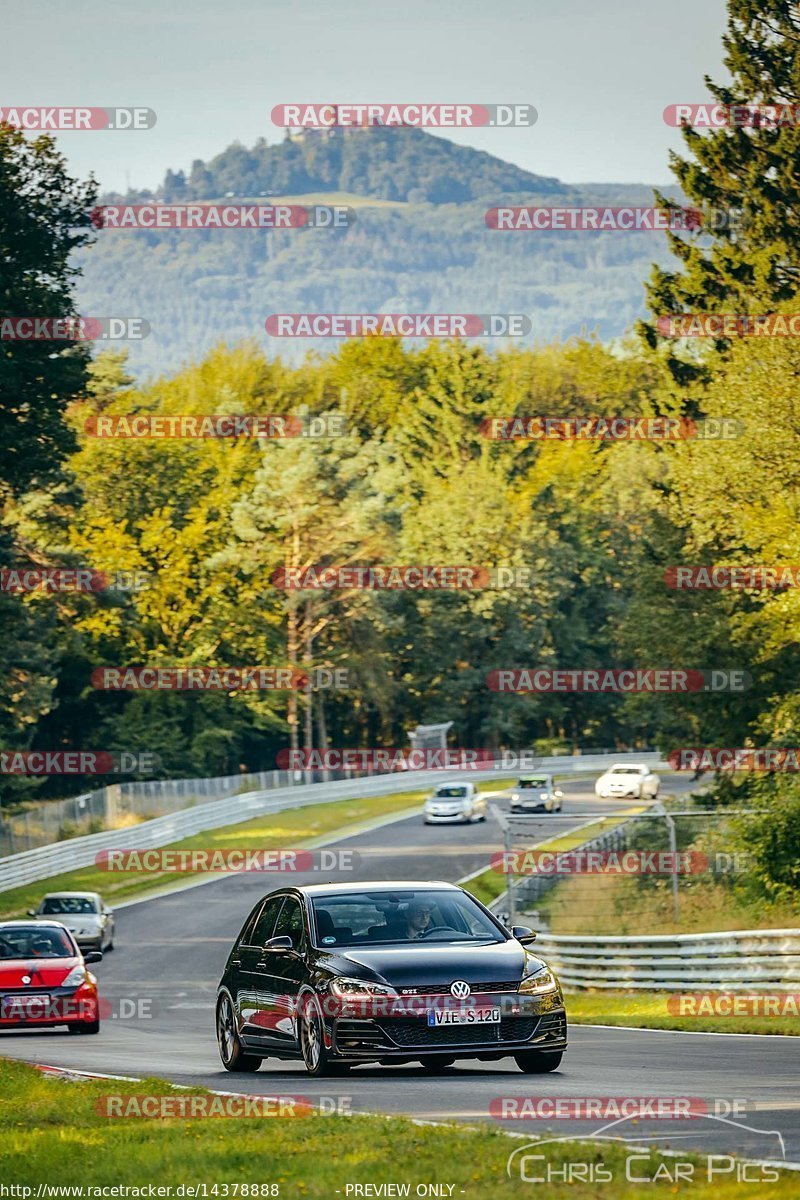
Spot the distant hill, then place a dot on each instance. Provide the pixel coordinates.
(419, 244)
(386, 164)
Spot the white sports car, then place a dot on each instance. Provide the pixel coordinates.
(628, 779)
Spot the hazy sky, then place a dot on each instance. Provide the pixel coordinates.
(600, 73)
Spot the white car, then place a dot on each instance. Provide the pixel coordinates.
(628, 779)
(455, 802)
(85, 915)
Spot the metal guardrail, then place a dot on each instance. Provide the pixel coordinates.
(29, 866)
(760, 960)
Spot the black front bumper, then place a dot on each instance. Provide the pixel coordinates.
(408, 1037)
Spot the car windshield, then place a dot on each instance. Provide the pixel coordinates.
(389, 918)
(68, 905)
(627, 770)
(35, 942)
(451, 793)
(538, 781)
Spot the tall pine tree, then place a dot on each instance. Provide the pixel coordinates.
(748, 259)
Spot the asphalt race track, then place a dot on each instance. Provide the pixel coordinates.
(161, 981)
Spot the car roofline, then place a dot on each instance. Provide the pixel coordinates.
(379, 885)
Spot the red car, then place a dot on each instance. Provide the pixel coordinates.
(44, 980)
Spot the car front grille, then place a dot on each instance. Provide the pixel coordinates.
(415, 1033)
(443, 989)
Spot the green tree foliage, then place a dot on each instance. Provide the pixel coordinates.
(44, 217)
(746, 177)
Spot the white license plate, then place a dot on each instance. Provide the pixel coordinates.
(463, 1016)
(24, 1006)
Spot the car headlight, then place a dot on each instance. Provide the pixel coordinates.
(539, 983)
(76, 977)
(358, 989)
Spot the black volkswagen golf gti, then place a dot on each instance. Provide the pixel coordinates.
(340, 974)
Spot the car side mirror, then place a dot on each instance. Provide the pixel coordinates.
(108, 912)
(93, 956)
(523, 934)
(279, 943)
(32, 912)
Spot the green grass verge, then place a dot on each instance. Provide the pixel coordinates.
(293, 828)
(52, 1133)
(649, 1011)
(487, 886)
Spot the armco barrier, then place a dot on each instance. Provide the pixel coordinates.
(761, 960)
(45, 861)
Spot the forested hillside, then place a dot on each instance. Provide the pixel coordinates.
(419, 244)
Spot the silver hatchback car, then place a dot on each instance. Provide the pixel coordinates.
(536, 793)
(85, 915)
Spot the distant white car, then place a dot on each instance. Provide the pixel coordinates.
(628, 779)
(455, 802)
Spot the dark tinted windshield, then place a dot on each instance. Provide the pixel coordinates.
(454, 792)
(534, 781)
(35, 942)
(383, 918)
(68, 905)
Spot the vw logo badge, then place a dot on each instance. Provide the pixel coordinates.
(460, 989)
(26, 978)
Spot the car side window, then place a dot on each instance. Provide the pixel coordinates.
(265, 923)
(290, 923)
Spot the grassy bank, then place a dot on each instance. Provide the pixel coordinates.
(608, 905)
(52, 1133)
(650, 1010)
(490, 883)
(290, 829)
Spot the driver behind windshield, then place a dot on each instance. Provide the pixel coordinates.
(418, 918)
